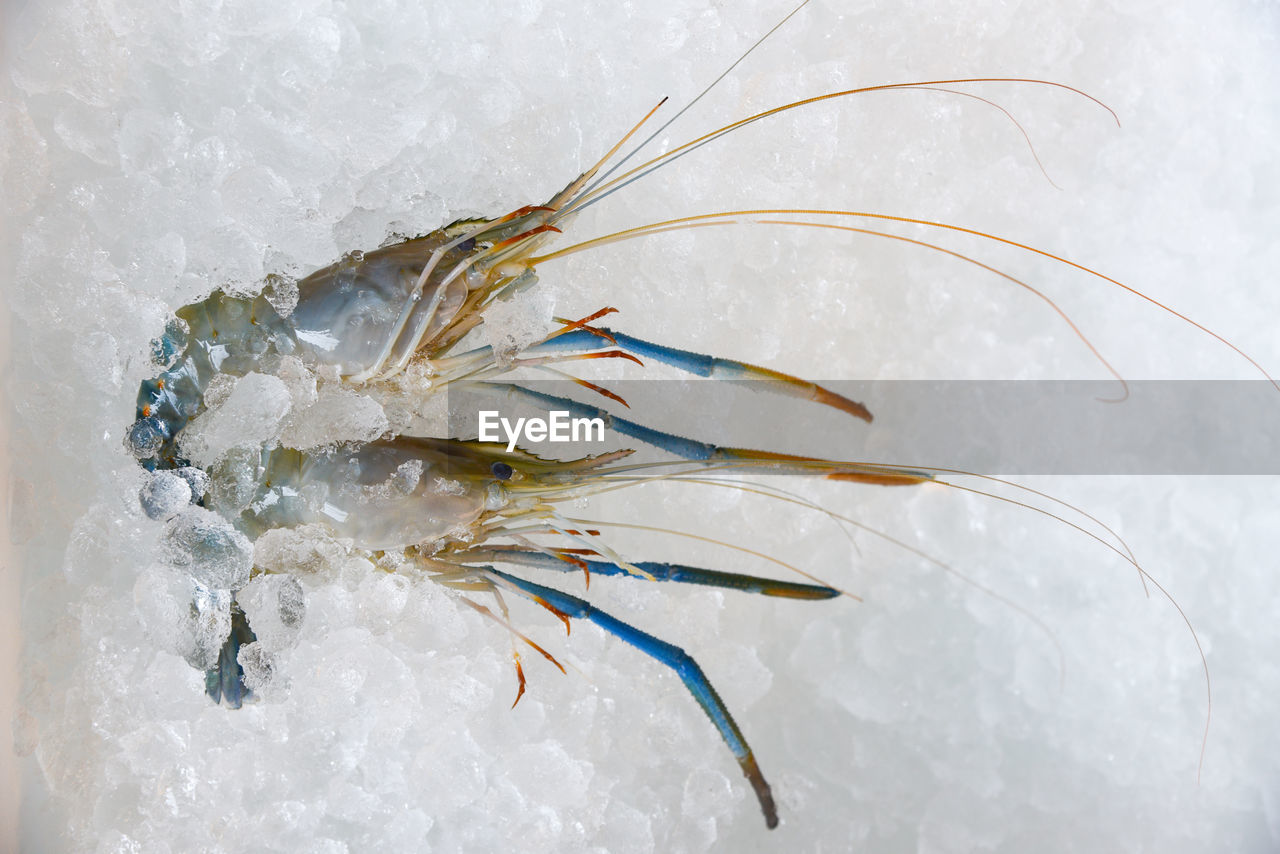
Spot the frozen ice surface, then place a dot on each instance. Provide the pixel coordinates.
(153, 153)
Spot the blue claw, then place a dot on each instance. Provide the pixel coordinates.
(702, 365)
(666, 572)
(672, 656)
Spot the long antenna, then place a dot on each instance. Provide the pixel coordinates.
(689, 105)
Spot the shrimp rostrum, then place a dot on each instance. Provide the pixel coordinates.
(454, 509)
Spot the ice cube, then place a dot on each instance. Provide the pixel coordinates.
(338, 415)
(205, 545)
(258, 665)
(164, 495)
(250, 417)
(197, 480)
(275, 606)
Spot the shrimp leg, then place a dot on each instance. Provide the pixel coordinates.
(594, 339)
(663, 572)
(669, 654)
(701, 365)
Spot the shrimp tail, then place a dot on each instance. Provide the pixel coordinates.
(698, 364)
(679, 573)
(674, 657)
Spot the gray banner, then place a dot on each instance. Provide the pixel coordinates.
(999, 428)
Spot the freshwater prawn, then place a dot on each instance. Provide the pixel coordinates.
(457, 508)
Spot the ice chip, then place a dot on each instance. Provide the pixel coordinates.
(249, 417)
(164, 495)
(166, 348)
(235, 480)
(210, 626)
(300, 381)
(218, 390)
(149, 137)
(258, 665)
(306, 548)
(448, 486)
(165, 611)
(275, 606)
(197, 480)
(338, 415)
(203, 544)
(282, 293)
(407, 475)
(513, 324)
(146, 437)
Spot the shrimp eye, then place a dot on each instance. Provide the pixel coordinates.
(501, 471)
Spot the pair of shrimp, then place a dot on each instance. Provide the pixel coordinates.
(441, 502)
(399, 317)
